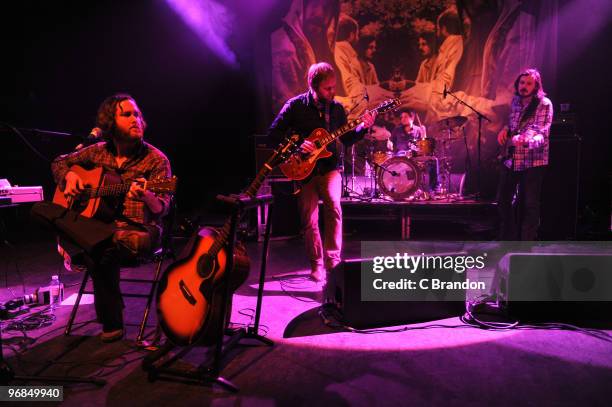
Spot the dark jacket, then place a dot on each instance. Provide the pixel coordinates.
(301, 116)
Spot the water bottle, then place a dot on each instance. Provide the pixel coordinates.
(56, 292)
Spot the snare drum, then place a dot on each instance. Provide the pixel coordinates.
(426, 146)
(401, 178)
(380, 157)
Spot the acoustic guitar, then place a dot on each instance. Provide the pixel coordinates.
(300, 165)
(191, 290)
(103, 192)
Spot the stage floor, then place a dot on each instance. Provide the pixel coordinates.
(433, 363)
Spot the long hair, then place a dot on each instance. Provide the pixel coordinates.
(362, 45)
(430, 39)
(535, 74)
(530, 110)
(105, 119)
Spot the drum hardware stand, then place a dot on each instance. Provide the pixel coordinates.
(480, 118)
(375, 167)
(346, 190)
(209, 371)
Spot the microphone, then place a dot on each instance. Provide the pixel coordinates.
(92, 138)
(94, 134)
(444, 92)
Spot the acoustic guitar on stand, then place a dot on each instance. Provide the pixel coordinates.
(300, 165)
(191, 290)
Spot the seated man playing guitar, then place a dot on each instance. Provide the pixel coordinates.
(135, 222)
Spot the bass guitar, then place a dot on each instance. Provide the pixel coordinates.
(103, 192)
(300, 165)
(191, 290)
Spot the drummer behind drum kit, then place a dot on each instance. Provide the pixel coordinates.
(403, 175)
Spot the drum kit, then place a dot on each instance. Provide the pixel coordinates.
(405, 175)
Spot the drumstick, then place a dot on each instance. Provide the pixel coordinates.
(424, 130)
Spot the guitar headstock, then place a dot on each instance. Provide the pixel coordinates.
(163, 186)
(288, 147)
(388, 105)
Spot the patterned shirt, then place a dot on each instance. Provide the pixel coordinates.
(524, 157)
(146, 162)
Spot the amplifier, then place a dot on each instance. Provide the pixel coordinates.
(262, 152)
(560, 189)
(575, 288)
(344, 288)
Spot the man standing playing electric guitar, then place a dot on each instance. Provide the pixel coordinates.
(526, 159)
(301, 115)
(136, 227)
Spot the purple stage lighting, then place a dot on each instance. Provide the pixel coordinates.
(212, 22)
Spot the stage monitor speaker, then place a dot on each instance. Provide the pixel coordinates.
(345, 288)
(286, 217)
(560, 189)
(571, 288)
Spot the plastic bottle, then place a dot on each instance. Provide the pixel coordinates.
(56, 291)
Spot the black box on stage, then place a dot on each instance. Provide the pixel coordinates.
(345, 289)
(286, 217)
(263, 151)
(571, 288)
(560, 189)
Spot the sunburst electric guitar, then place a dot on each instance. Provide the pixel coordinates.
(300, 165)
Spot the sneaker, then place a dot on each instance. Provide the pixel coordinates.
(112, 336)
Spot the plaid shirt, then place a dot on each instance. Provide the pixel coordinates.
(524, 157)
(146, 162)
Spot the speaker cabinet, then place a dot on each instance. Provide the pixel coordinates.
(345, 290)
(574, 288)
(560, 189)
(286, 217)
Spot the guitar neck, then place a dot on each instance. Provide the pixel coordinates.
(348, 126)
(251, 192)
(339, 132)
(108, 190)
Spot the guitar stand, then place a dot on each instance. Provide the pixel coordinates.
(209, 372)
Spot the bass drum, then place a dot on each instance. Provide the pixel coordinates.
(401, 178)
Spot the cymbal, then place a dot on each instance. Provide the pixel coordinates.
(449, 123)
(378, 133)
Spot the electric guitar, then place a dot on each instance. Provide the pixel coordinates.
(300, 165)
(104, 192)
(191, 290)
(505, 154)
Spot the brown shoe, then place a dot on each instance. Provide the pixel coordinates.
(318, 275)
(112, 336)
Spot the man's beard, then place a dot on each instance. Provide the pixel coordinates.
(126, 137)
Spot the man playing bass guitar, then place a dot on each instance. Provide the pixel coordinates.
(526, 159)
(301, 115)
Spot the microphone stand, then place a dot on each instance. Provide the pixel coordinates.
(480, 118)
(345, 188)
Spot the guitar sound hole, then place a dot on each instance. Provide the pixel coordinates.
(206, 266)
